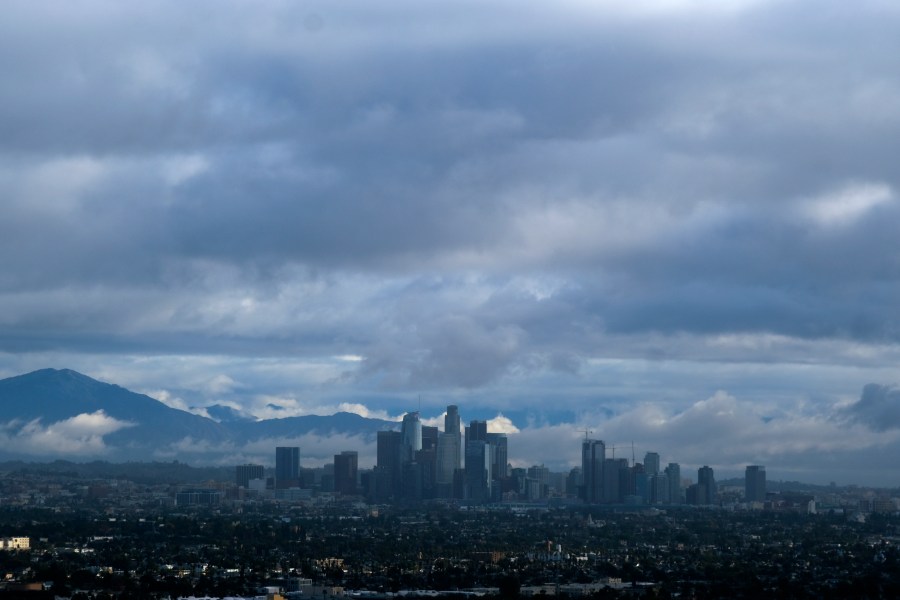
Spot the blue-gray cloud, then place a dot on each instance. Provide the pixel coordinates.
(471, 199)
(878, 408)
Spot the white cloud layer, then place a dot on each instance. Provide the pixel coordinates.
(851, 202)
(799, 442)
(81, 436)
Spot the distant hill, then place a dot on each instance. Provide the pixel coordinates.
(140, 472)
(342, 422)
(57, 414)
(226, 414)
(56, 395)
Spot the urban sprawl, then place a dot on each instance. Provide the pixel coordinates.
(441, 514)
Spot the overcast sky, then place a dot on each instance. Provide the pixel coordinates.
(670, 222)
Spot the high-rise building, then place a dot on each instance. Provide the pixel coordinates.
(643, 485)
(459, 484)
(411, 434)
(651, 464)
(707, 492)
(244, 473)
(755, 483)
(673, 473)
(615, 479)
(410, 471)
(448, 453)
(478, 470)
(346, 465)
(429, 438)
(388, 464)
(411, 484)
(478, 462)
(452, 426)
(287, 467)
(659, 489)
(388, 449)
(500, 455)
(593, 456)
(427, 461)
(627, 478)
(574, 482)
(539, 473)
(476, 432)
(381, 485)
(451, 420)
(695, 494)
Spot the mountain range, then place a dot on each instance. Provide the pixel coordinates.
(54, 413)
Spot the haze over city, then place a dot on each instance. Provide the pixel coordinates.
(667, 223)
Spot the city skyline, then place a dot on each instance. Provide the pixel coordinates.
(52, 411)
(672, 223)
(561, 457)
(409, 465)
(404, 446)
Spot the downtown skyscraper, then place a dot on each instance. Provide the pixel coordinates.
(479, 463)
(755, 483)
(410, 436)
(449, 452)
(593, 456)
(287, 467)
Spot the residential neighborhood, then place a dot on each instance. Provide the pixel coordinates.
(68, 536)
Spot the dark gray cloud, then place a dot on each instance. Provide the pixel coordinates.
(878, 408)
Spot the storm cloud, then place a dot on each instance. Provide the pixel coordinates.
(358, 203)
(878, 408)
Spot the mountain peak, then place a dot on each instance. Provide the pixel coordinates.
(56, 374)
(102, 420)
(99, 416)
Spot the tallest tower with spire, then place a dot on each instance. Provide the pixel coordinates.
(410, 436)
(449, 459)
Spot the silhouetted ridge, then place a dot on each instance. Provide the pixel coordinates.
(227, 414)
(154, 430)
